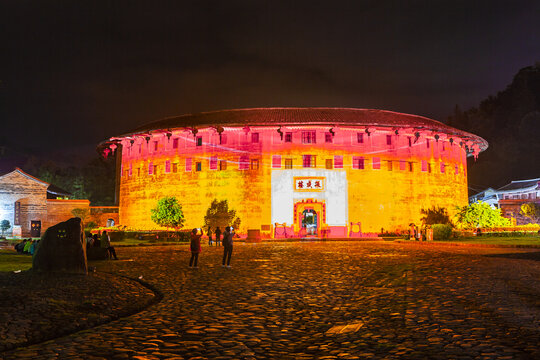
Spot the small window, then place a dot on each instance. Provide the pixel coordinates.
(175, 167)
(360, 138)
(409, 139)
(155, 169)
(254, 164)
(155, 146)
(223, 139)
(389, 165)
(402, 165)
(427, 143)
(442, 167)
(288, 164)
(276, 161)
(139, 171)
(213, 162)
(288, 137)
(328, 138)
(254, 137)
(188, 164)
(358, 162)
(329, 164)
(175, 143)
(388, 139)
(308, 161)
(130, 171)
(243, 163)
(309, 137)
(167, 166)
(150, 168)
(223, 165)
(376, 163)
(199, 140)
(198, 166)
(338, 161)
(411, 167)
(140, 148)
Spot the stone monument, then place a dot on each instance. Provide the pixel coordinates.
(62, 249)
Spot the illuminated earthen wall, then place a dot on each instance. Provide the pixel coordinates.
(386, 178)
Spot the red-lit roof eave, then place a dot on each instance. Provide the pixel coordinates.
(304, 116)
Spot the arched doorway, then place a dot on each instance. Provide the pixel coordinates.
(309, 217)
(310, 221)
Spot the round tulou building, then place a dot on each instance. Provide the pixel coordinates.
(333, 172)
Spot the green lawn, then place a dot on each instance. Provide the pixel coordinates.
(11, 261)
(499, 240)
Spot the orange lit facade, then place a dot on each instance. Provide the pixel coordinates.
(295, 171)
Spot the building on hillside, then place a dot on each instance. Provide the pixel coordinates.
(295, 171)
(32, 205)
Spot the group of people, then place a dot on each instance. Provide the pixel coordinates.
(27, 246)
(103, 241)
(217, 232)
(195, 245)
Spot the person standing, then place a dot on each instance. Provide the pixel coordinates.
(227, 246)
(218, 236)
(209, 236)
(195, 247)
(106, 243)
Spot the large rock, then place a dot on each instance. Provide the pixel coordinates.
(62, 249)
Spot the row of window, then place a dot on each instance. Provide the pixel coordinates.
(308, 137)
(308, 161)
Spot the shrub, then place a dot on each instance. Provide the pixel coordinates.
(441, 231)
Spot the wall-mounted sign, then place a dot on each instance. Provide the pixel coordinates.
(309, 183)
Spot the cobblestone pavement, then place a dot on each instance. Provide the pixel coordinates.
(325, 300)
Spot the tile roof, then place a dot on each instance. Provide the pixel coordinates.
(520, 184)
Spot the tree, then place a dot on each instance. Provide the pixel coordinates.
(81, 213)
(531, 210)
(480, 214)
(435, 215)
(218, 214)
(4, 225)
(168, 213)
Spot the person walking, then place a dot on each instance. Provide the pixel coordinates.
(227, 246)
(195, 247)
(218, 236)
(106, 243)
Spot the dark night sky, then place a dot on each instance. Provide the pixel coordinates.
(76, 72)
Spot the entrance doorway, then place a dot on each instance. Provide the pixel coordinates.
(309, 221)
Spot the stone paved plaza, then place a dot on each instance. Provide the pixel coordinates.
(324, 300)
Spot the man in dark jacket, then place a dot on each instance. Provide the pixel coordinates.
(227, 246)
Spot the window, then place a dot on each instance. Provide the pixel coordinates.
(338, 161)
(198, 166)
(199, 140)
(243, 163)
(424, 165)
(174, 167)
(388, 139)
(276, 161)
(402, 165)
(288, 164)
(329, 164)
(222, 164)
(429, 167)
(223, 139)
(130, 171)
(150, 168)
(175, 143)
(167, 166)
(360, 138)
(155, 169)
(254, 164)
(409, 139)
(155, 146)
(138, 171)
(328, 138)
(389, 165)
(213, 162)
(308, 161)
(376, 163)
(309, 137)
(288, 137)
(427, 143)
(140, 149)
(358, 162)
(188, 164)
(442, 167)
(254, 137)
